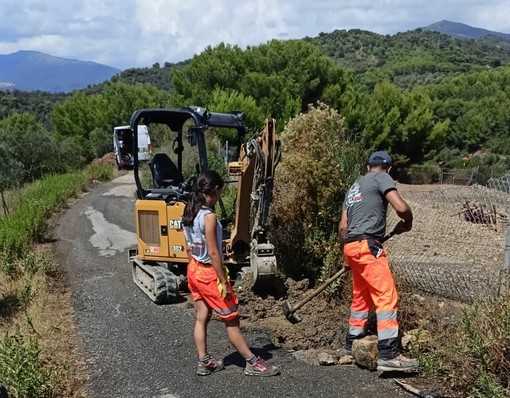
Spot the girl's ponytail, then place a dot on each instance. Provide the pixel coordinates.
(196, 201)
(205, 184)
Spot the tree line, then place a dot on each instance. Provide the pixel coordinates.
(423, 96)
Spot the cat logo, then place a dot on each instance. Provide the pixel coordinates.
(175, 224)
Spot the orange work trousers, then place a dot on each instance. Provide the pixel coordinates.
(203, 285)
(372, 286)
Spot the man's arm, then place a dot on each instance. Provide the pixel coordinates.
(342, 226)
(402, 209)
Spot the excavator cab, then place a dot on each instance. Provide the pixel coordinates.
(160, 259)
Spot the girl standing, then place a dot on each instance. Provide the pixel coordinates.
(207, 278)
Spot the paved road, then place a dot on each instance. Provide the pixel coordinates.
(134, 348)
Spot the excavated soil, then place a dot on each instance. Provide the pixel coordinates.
(323, 320)
(322, 324)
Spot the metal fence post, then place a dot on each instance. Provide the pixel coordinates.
(505, 272)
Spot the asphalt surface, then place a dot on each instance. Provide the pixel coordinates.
(135, 348)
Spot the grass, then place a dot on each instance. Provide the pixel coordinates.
(21, 368)
(472, 354)
(35, 315)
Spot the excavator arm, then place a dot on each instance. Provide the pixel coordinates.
(254, 172)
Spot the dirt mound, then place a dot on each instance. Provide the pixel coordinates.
(323, 321)
(108, 159)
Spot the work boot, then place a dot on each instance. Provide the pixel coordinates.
(206, 368)
(399, 363)
(260, 368)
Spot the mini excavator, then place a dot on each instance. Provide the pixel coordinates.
(160, 259)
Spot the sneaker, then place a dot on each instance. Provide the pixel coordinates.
(399, 363)
(261, 368)
(211, 366)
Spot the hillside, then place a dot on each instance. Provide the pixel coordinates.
(463, 31)
(410, 58)
(33, 70)
(443, 97)
(158, 76)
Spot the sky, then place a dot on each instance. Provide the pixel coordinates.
(138, 33)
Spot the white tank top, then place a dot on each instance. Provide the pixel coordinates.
(195, 237)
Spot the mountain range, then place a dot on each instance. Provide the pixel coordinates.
(463, 31)
(33, 70)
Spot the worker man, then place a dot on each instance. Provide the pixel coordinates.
(362, 225)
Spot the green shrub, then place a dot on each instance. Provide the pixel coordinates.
(8, 265)
(427, 173)
(100, 172)
(27, 223)
(25, 294)
(100, 141)
(320, 160)
(22, 370)
(474, 355)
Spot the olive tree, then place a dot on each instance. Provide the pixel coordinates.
(11, 170)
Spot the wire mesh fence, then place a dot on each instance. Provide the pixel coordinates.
(456, 248)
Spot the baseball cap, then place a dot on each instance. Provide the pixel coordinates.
(380, 158)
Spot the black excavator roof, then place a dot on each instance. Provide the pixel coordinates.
(175, 118)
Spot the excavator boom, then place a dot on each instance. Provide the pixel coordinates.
(254, 170)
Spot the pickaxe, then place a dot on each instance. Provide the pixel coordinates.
(290, 311)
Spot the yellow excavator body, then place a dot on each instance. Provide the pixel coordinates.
(160, 258)
(159, 231)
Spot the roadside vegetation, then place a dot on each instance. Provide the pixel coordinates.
(36, 334)
(428, 99)
(471, 354)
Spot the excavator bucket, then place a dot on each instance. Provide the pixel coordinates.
(262, 261)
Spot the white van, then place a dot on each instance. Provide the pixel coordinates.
(123, 145)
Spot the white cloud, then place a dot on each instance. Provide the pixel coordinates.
(137, 33)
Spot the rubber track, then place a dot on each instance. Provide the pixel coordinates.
(166, 287)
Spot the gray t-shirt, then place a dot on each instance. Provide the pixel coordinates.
(366, 205)
(195, 237)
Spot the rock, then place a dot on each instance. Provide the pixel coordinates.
(419, 298)
(346, 360)
(326, 359)
(310, 331)
(365, 352)
(420, 336)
